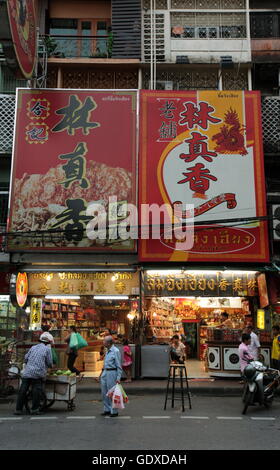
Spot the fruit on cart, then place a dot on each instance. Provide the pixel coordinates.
(57, 373)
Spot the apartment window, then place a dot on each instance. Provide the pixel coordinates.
(208, 4)
(207, 25)
(265, 25)
(89, 37)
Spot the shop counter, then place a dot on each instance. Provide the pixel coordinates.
(223, 358)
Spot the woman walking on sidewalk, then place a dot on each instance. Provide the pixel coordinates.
(127, 360)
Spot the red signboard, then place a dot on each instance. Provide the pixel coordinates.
(72, 148)
(23, 30)
(204, 148)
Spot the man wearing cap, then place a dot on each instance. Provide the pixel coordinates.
(110, 375)
(37, 360)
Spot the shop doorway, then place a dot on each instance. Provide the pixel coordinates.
(191, 339)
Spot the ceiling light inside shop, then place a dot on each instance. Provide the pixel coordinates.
(59, 297)
(110, 297)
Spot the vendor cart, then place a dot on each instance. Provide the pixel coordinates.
(61, 388)
(57, 388)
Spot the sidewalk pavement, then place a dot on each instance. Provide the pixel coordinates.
(199, 387)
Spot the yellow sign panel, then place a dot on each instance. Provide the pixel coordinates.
(35, 313)
(261, 319)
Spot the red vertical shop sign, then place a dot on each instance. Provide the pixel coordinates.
(205, 148)
(71, 148)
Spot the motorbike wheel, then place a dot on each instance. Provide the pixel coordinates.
(268, 402)
(248, 400)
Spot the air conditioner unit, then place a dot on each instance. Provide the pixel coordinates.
(276, 221)
(164, 85)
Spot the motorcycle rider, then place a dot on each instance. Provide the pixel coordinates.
(244, 353)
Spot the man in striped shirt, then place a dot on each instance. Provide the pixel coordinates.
(38, 360)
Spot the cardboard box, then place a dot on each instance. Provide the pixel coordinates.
(92, 367)
(91, 356)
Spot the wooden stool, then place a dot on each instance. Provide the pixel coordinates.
(172, 376)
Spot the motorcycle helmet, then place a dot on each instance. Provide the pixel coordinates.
(249, 371)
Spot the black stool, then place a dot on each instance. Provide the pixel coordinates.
(172, 376)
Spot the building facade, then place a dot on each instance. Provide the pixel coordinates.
(171, 45)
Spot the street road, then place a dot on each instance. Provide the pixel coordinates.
(213, 423)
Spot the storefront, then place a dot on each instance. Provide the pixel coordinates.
(191, 304)
(94, 302)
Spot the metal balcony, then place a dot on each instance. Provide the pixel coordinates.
(70, 47)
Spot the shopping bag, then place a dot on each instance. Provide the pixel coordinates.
(125, 397)
(73, 341)
(117, 400)
(110, 392)
(54, 356)
(81, 342)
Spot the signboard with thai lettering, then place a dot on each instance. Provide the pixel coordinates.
(95, 283)
(204, 148)
(205, 284)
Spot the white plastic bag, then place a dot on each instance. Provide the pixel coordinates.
(110, 392)
(117, 400)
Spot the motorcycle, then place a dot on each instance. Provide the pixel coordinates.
(261, 383)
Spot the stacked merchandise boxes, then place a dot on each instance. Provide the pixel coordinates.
(92, 362)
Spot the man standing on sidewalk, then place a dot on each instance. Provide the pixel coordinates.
(38, 360)
(110, 375)
(254, 347)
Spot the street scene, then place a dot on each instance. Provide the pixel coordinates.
(139, 228)
(213, 423)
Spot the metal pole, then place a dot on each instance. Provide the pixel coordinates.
(155, 46)
(152, 49)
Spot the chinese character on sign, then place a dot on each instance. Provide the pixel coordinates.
(82, 288)
(198, 177)
(197, 115)
(168, 130)
(38, 108)
(198, 148)
(75, 169)
(44, 288)
(36, 134)
(224, 284)
(167, 110)
(237, 284)
(75, 230)
(76, 116)
(64, 287)
(120, 287)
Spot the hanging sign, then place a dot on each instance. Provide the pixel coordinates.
(21, 289)
(36, 313)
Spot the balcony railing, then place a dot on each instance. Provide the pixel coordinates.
(78, 46)
(271, 124)
(7, 113)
